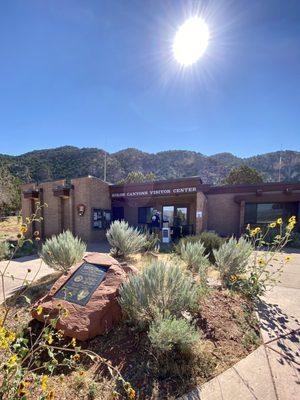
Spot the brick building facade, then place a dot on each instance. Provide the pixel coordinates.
(86, 206)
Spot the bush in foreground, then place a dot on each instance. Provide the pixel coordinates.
(171, 333)
(124, 239)
(62, 251)
(161, 289)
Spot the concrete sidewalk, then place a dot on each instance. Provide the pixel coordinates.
(17, 271)
(272, 372)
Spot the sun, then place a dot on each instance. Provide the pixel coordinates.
(191, 41)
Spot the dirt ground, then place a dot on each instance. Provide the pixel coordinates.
(229, 331)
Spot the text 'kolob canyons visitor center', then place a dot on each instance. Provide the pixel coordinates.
(86, 206)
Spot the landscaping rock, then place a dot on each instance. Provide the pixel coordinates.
(102, 310)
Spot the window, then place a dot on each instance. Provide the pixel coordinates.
(168, 214)
(145, 215)
(100, 218)
(181, 216)
(264, 213)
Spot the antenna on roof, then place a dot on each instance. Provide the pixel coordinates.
(104, 172)
(280, 165)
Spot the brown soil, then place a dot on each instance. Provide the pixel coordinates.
(229, 332)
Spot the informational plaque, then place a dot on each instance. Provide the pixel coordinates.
(82, 284)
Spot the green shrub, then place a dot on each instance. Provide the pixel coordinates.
(171, 333)
(193, 255)
(124, 239)
(232, 258)
(4, 250)
(62, 251)
(210, 240)
(161, 289)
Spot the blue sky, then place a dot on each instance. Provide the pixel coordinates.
(102, 74)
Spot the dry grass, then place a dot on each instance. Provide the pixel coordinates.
(9, 228)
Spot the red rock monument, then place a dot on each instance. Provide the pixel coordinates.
(88, 291)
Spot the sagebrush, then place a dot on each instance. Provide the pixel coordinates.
(161, 289)
(193, 255)
(172, 334)
(62, 251)
(232, 258)
(124, 239)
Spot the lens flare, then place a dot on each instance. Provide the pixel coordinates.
(191, 41)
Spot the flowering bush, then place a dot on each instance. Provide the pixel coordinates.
(260, 272)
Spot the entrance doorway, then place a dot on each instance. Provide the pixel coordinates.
(177, 218)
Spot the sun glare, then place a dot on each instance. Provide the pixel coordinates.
(191, 41)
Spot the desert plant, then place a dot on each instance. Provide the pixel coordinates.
(161, 289)
(171, 333)
(62, 251)
(232, 258)
(152, 241)
(210, 240)
(124, 239)
(4, 250)
(193, 255)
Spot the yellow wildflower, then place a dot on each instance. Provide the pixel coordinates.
(233, 278)
(292, 220)
(50, 338)
(73, 342)
(39, 310)
(288, 258)
(272, 225)
(279, 221)
(22, 389)
(23, 228)
(44, 383)
(278, 237)
(131, 393)
(261, 262)
(12, 360)
(11, 336)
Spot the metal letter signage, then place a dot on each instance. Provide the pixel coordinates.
(157, 192)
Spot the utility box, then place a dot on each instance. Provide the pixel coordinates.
(166, 235)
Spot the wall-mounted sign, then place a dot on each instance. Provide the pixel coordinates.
(157, 192)
(199, 214)
(81, 209)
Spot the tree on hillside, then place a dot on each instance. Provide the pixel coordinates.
(243, 175)
(10, 192)
(138, 177)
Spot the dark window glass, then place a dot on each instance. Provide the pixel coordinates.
(145, 215)
(100, 218)
(264, 213)
(118, 213)
(250, 213)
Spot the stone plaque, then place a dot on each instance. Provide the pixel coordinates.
(82, 284)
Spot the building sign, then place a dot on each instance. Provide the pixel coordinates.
(157, 192)
(82, 284)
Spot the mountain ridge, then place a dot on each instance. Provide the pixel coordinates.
(71, 162)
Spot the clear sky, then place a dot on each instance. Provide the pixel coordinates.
(102, 74)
